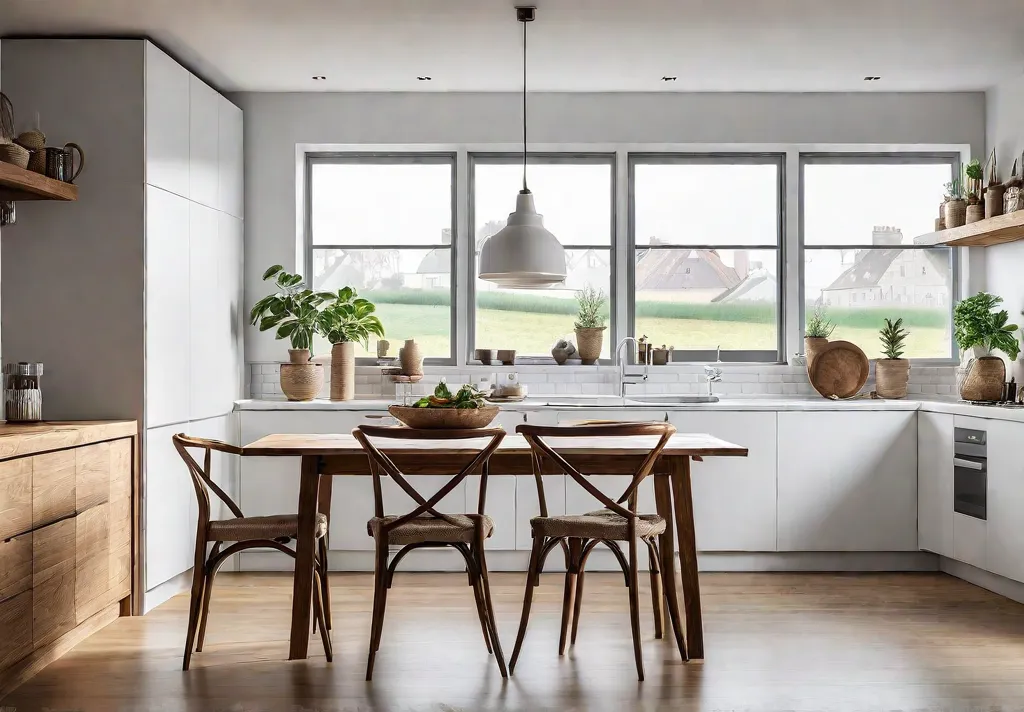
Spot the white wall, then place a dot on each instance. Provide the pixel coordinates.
(276, 123)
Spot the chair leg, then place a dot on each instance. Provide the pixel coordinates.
(475, 580)
(326, 579)
(634, 605)
(380, 594)
(577, 606)
(569, 592)
(207, 595)
(318, 613)
(657, 595)
(481, 562)
(531, 578)
(195, 601)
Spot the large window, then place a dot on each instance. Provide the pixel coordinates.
(383, 224)
(575, 196)
(706, 234)
(860, 217)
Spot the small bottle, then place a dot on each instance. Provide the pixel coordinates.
(1011, 390)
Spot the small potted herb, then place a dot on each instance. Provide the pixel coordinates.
(978, 330)
(590, 323)
(347, 320)
(955, 207)
(819, 328)
(892, 372)
(973, 174)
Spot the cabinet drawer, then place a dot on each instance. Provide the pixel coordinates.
(15, 497)
(15, 566)
(121, 458)
(53, 486)
(92, 561)
(15, 629)
(53, 581)
(92, 475)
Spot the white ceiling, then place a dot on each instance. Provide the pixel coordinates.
(575, 45)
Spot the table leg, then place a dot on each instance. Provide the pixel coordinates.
(667, 548)
(302, 586)
(682, 497)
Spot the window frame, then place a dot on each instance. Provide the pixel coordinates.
(385, 158)
(778, 159)
(953, 158)
(475, 158)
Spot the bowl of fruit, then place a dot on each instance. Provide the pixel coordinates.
(466, 410)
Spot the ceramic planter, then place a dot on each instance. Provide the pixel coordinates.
(411, 358)
(982, 379)
(301, 379)
(589, 343)
(891, 377)
(975, 213)
(343, 371)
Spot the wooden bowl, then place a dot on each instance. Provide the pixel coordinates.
(840, 369)
(445, 418)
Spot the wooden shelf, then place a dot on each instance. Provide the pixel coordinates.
(20, 184)
(984, 233)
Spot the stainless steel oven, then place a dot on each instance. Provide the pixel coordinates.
(970, 472)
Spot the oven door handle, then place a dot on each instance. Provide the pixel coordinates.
(968, 464)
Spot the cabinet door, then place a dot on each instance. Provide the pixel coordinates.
(167, 507)
(53, 582)
(734, 498)
(92, 561)
(935, 482)
(92, 475)
(15, 497)
(969, 540)
(204, 136)
(167, 308)
(53, 486)
(224, 467)
(15, 565)
(230, 192)
(847, 481)
(501, 492)
(16, 623)
(527, 500)
(167, 122)
(1005, 527)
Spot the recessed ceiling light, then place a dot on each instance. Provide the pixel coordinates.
(319, 78)
(669, 79)
(871, 79)
(425, 78)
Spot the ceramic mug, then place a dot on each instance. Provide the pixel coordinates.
(60, 162)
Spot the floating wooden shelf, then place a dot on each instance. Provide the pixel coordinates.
(984, 233)
(20, 184)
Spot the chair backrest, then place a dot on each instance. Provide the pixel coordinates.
(381, 464)
(202, 479)
(535, 435)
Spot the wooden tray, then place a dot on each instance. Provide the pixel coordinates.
(840, 370)
(445, 418)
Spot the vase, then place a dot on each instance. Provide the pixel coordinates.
(956, 213)
(812, 347)
(891, 377)
(298, 355)
(343, 371)
(994, 196)
(975, 212)
(982, 379)
(411, 359)
(301, 379)
(589, 342)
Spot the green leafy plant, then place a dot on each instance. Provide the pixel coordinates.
(467, 397)
(591, 314)
(893, 337)
(976, 324)
(292, 310)
(819, 326)
(955, 189)
(973, 173)
(349, 317)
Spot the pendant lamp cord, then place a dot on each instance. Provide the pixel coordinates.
(525, 189)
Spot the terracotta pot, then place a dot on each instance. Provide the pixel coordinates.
(302, 381)
(410, 358)
(974, 213)
(956, 213)
(343, 371)
(812, 346)
(589, 343)
(891, 377)
(982, 379)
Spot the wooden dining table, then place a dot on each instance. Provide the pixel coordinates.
(326, 456)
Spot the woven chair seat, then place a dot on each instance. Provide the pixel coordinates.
(273, 527)
(429, 528)
(602, 524)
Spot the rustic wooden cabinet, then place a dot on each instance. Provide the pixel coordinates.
(67, 536)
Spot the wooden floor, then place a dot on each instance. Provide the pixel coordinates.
(774, 642)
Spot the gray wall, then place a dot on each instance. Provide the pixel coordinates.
(72, 281)
(275, 123)
(1004, 264)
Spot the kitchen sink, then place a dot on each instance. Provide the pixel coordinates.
(671, 400)
(628, 402)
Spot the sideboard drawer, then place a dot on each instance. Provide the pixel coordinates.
(53, 581)
(15, 497)
(16, 624)
(15, 566)
(53, 487)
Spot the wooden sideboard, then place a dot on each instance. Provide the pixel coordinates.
(68, 533)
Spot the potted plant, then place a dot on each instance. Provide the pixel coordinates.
(294, 312)
(955, 206)
(893, 371)
(590, 323)
(819, 328)
(973, 174)
(978, 330)
(346, 320)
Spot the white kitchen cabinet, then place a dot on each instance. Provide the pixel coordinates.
(847, 481)
(204, 136)
(969, 540)
(167, 308)
(935, 482)
(224, 466)
(734, 498)
(167, 122)
(169, 508)
(527, 502)
(230, 197)
(1004, 549)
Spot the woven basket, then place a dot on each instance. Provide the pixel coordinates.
(956, 213)
(343, 371)
(975, 213)
(812, 347)
(982, 380)
(589, 343)
(302, 381)
(891, 376)
(14, 154)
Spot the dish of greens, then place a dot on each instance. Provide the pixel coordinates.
(466, 397)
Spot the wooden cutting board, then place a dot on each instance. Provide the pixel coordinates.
(840, 370)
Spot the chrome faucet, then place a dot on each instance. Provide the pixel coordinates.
(712, 374)
(622, 367)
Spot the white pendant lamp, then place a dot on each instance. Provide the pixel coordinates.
(523, 254)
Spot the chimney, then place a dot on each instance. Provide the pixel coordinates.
(741, 263)
(885, 235)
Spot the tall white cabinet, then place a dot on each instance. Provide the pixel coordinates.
(144, 273)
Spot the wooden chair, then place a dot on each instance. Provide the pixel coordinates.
(241, 533)
(424, 526)
(578, 535)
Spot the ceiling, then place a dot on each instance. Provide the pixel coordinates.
(575, 45)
